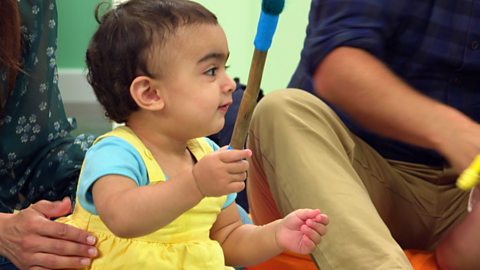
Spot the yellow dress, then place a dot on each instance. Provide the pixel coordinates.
(182, 244)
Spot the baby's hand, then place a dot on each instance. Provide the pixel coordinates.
(302, 230)
(222, 172)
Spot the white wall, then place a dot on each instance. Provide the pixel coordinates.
(74, 86)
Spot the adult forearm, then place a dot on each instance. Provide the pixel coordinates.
(377, 99)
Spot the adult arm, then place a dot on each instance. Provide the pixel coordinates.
(372, 95)
(32, 241)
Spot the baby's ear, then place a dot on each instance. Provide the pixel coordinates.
(145, 94)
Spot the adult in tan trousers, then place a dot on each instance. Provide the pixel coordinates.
(378, 143)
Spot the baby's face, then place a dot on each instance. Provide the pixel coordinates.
(196, 88)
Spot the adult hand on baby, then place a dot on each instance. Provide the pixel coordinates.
(222, 172)
(302, 230)
(32, 241)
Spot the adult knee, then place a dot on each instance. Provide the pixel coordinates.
(288, 102)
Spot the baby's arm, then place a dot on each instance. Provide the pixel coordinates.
(245, 244)
(131, 211)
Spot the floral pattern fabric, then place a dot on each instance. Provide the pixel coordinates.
(39, 159)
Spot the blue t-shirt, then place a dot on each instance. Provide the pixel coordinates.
(113, 155)
(433, 45)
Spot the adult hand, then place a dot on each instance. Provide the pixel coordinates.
(460, 144)
(32, 241)
(222, 172)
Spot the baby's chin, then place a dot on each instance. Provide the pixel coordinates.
(217, 128)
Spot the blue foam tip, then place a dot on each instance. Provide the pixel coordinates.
(265, 30)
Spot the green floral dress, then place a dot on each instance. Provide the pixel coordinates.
(39, 159)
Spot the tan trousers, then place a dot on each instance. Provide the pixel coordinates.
(304, 157)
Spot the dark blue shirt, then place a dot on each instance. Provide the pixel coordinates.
(433, 45)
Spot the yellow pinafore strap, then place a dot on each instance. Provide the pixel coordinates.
(182, 244)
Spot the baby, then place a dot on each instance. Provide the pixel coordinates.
(156, 192)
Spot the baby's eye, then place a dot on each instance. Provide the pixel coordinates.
(211, 72)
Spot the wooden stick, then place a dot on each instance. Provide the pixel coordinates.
(249, 100)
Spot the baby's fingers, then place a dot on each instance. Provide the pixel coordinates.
(322, 218)
(307, 246)
(236, 186)
(235, 155)
(238, 176)
(314, 235)
(237, 167)
(319, 227)
(310, 240)
(306, 213)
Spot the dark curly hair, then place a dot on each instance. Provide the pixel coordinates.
(119, 49)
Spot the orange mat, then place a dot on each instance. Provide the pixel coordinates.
(420, 260)
(286, 260)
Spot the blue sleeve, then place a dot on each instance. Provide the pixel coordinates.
(230, 199)
(232, 196)
(214, 146)
(365, 24)
(110, 155)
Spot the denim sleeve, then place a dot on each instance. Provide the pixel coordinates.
(365, 24)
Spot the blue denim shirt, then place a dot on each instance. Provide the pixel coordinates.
(6, 264)
(433, 45)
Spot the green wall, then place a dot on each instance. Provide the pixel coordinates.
(239, 19)
(76, 24)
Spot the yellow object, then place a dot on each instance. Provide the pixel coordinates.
(470, 176)
(182, 244)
